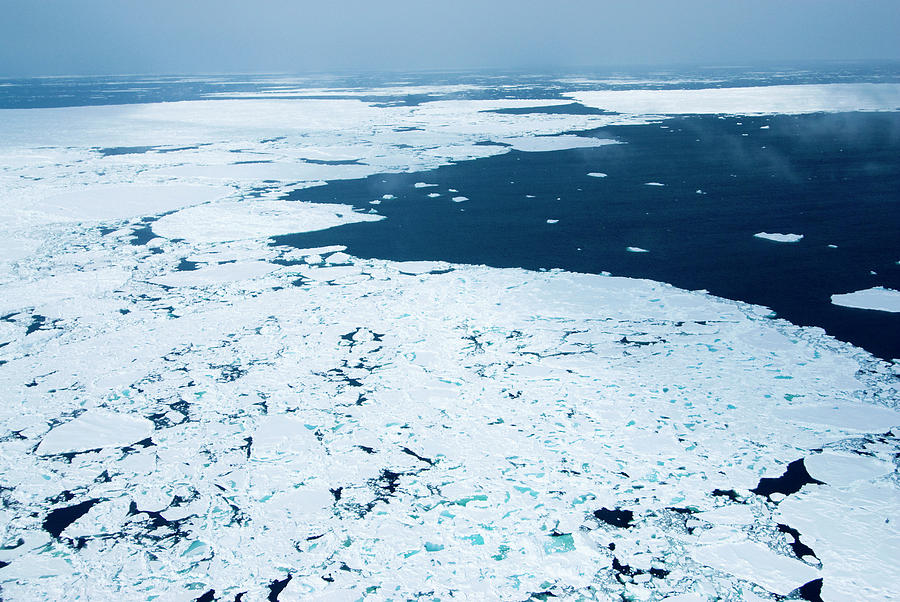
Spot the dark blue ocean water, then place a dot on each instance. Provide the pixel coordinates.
(833, 178)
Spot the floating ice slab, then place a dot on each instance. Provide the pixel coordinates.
(423, 185)
(110, 203)
(217, 274)
(95, 429)
(877, 298)
(637, 250)
(597, 174)
(758, 564)
(860, 417)
(459, 199)
(420, 267)
(555, 143)
(840, 470)
(653, 184)
(761, 100)
(776, 237)
(231, 221)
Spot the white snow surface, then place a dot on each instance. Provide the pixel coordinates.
(877, 298)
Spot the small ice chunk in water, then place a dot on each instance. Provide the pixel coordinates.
(552, 221)
(835, 247)
(376, 202)
(460, 199)
(637, 250)
(339, 257)
(452, 190)
(776, 237)
(653, 184)
(597, 174)
(423, 185)
(388, 197)
(434, 195)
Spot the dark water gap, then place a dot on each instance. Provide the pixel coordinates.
(835, 178)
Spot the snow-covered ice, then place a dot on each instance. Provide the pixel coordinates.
(877, 298)
(778, 237)
(368, 427)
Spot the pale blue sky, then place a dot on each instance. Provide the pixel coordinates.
(43, 37)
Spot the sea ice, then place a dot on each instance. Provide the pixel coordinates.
(554, 143)
(877, 298)
(757, 564)
(95, 429)
(117, 202)
(228, 221)
(776, 237)
(761, 100)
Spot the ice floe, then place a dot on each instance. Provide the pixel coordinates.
(597, 174)
(877, 298)
(757, 564)
(637, 250)
(777, 237)
(228, 221)
(95, 429)
(554, 143)
(117, 202)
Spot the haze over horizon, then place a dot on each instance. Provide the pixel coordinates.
(98, 37)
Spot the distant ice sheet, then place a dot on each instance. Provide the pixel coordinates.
(776, 237)
(761, 100)
(877, 298)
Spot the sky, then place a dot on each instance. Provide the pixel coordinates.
(86, 37)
